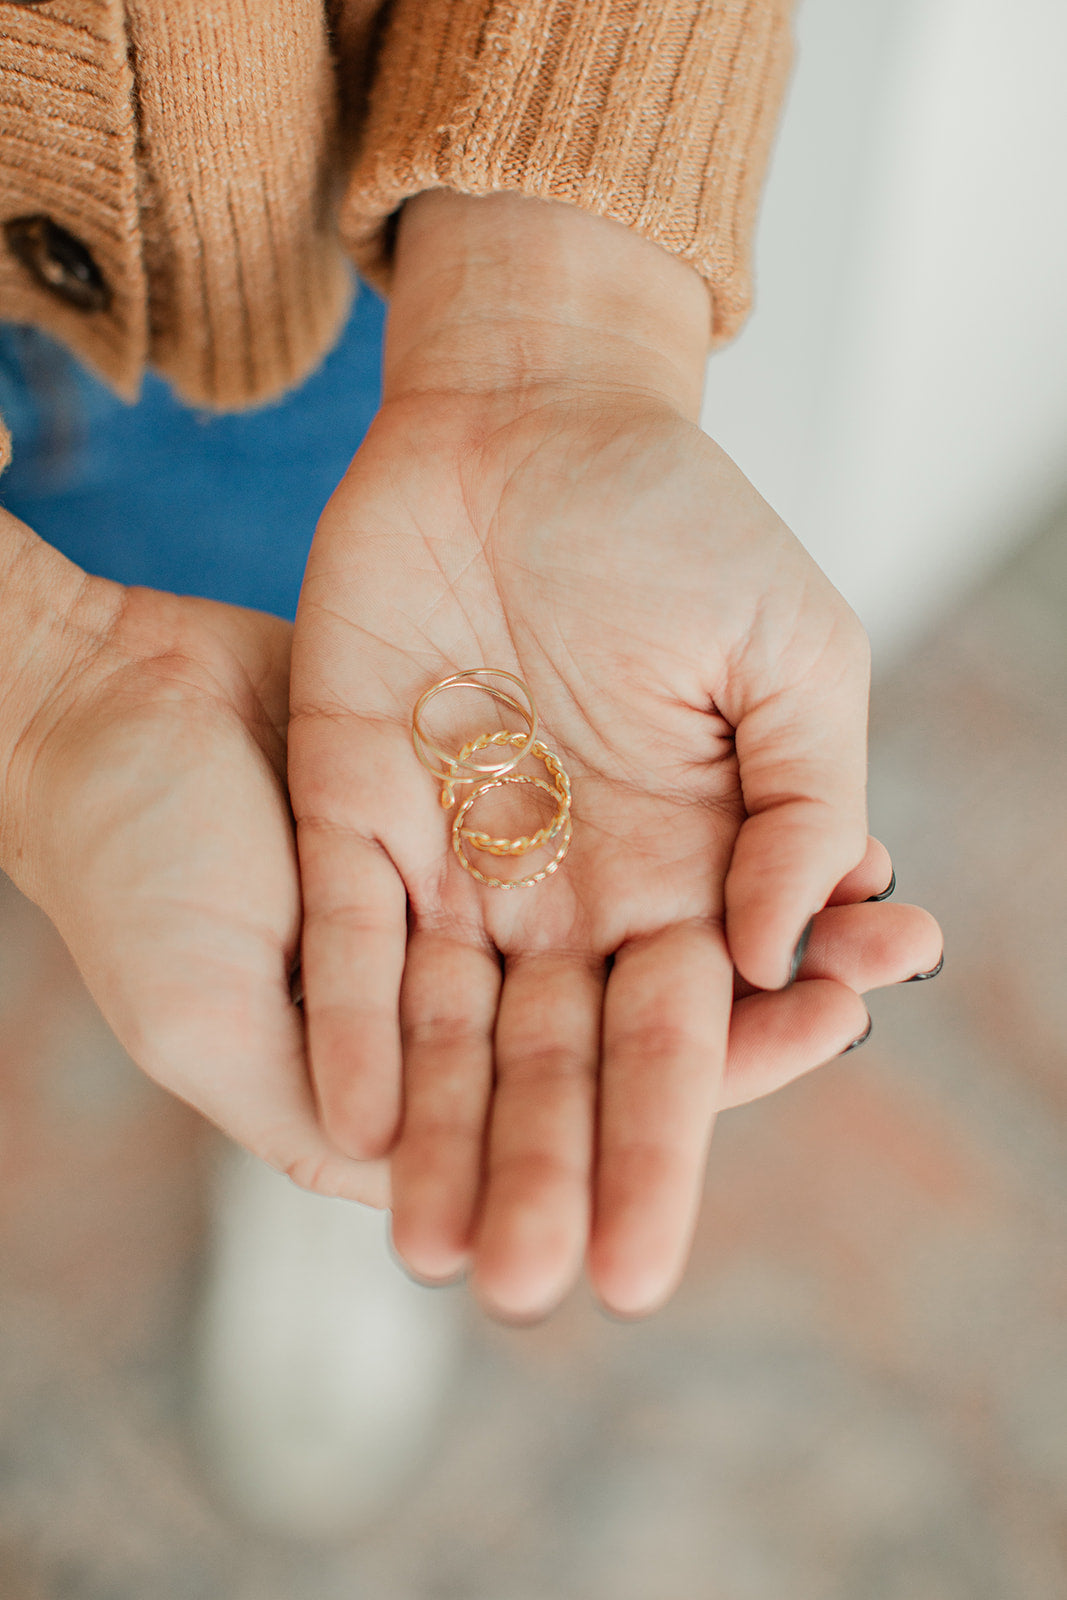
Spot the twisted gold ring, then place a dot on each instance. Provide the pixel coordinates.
(560, 790)
(461, 836)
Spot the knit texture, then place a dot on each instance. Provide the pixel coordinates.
(248, 283)
(68, 151)
(659, 115)
(212, 157)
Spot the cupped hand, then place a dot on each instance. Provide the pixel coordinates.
(145, 810)
(554, 1056)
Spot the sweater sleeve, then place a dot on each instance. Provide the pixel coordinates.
(656, 113)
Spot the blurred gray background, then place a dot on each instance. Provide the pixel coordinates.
(860, 1392)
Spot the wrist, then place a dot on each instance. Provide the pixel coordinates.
(504, 293)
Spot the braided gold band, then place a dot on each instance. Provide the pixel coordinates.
(459, 837)
(560, 790)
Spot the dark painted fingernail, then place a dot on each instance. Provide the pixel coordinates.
(921, 977)
(296, 986)
(864, 1036)
(798, 953)
(871, 898)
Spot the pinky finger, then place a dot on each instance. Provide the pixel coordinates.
(778, 1036)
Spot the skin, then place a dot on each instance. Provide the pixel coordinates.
(530, 1079)
(142, 805)
(545, 1066)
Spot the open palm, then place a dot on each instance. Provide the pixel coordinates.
(555, 1056)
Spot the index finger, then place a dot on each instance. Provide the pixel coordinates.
(353, 949)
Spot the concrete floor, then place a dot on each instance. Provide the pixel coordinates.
(859, 1394)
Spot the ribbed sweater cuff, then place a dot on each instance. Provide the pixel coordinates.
(247, 283)
(657, 113)
(67, 151)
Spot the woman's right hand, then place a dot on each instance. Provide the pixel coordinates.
(143, 807)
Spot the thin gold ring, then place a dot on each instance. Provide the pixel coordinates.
(448, 773)
(425, 747)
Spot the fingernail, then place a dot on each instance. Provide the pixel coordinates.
(296, 986)
(798, 953)
(921, 977)
(871, 898)
(864, 1036)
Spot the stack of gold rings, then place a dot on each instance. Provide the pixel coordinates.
(462, 769)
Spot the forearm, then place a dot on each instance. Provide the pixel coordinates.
(506, 293)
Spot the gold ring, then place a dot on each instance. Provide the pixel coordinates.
(462, 768)
(459, 840)
(448, 772)
(560, 790)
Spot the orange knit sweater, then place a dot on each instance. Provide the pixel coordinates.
(183, 183)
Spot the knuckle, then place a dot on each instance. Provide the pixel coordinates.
(669, 1045)
(537, 1171)
(446, 1035)
(308, 1171)
(546, 1064)
(645, 1165)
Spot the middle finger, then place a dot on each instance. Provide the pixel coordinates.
(536, 1204)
